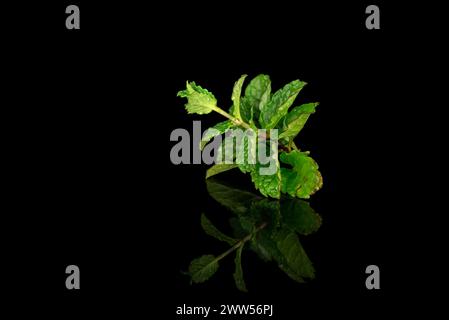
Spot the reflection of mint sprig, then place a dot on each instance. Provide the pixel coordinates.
(202, 268)
(259, 109)
(270, 228)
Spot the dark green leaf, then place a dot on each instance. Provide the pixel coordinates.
(238, 231)
(211, 230)
(238, 274)
(294, 259)
(295, 120)
(299, 216)
(279, 103)
(303, 179)
(266, 210)
(260, 250)
(264, 246)
(234, 199)
(202, 268)
(199, 100)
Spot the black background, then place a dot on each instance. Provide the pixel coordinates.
(92, 111)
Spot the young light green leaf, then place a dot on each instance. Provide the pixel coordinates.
(303, 179)
(238, 274)
(199, 100)
(295, 120)
(202, 268)
(211, 230)
(219, 168)
(257, 94)
(279, 103)
(236, 92)
(214, 131)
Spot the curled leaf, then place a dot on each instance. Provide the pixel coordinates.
(303, 179)
(199, 100)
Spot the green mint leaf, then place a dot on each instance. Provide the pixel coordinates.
(303, 179)
(238, 149)
(199, 100)
(202, 268)
(248, 155)
(226, 151)
(238, 274)
(219, 168)
(236, 92)
(247, 112)
(257, 94)
(299, 216)
(214, 131)
(279, 103)
(268, 185)
(295, 120)
(212, 231)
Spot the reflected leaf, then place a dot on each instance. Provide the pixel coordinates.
(202, 268)
(238, 274)
(268, 227)
(293, 259)
(236, 200)
(211, 230)
(299, 216)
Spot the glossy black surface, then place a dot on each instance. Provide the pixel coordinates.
(93, 184)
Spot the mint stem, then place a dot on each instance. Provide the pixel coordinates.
(233, 119)
(294, 146)
(240, 242)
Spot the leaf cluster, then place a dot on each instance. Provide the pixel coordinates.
(257, 108)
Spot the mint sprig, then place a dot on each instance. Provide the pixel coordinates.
(296, 173)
